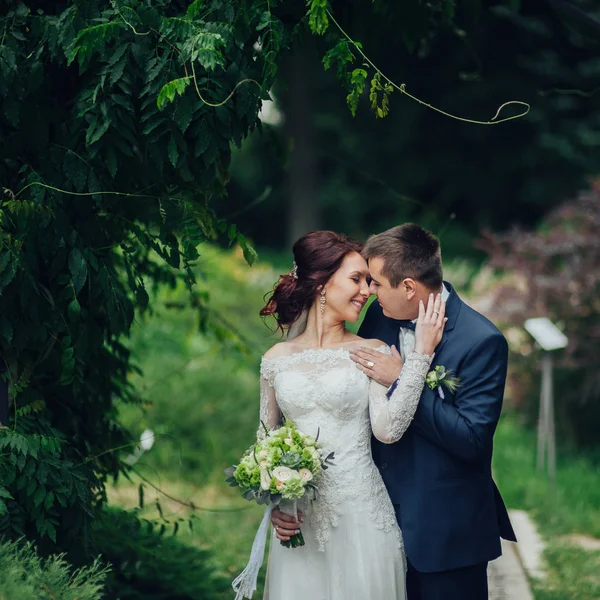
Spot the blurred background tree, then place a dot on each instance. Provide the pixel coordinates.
(416, 164)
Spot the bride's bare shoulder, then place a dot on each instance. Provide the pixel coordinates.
(281, 349)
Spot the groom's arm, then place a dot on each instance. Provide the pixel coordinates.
(465, 429)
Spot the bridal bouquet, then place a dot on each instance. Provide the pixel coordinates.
(280, 469)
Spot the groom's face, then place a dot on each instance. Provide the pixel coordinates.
(397, 303)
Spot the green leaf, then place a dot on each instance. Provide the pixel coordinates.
(7, 56)
(173, 151)
(51, 530)
(203, 138)
(4, 493)
(6, 329)
(265, 20)
(93, 135)
(74, 309)
(169, 90)
(250, 254)
(205, 48)
(231, 233)
(318, 21)
(357, 81)
(194, 9)
(111, 162)
(4, 260)
(8, 274)
(49, 500)
(39, 496)
(78, 268)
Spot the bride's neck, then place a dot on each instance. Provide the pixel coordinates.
(323, 331)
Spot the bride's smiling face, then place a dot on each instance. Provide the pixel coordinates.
(348, 289)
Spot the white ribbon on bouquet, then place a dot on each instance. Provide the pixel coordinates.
(245, 583)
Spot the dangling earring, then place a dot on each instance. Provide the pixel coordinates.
(322, 302)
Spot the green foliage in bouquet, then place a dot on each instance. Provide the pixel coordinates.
(282, 464)
(25, 576)
(282, 467)
(149, 564)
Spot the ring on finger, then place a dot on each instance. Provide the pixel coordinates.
(370, 364)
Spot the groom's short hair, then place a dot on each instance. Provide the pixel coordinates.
(407, 251)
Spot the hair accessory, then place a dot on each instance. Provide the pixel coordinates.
(294, 271)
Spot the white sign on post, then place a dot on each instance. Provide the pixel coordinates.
(546, 334)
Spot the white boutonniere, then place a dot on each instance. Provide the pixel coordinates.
(441, 378)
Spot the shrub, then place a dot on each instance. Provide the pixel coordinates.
(555, 272)
(25, 576)
(153, 565)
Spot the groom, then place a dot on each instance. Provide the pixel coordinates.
(439, 474)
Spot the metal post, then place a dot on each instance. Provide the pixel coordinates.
(546, 454)
(550, 428)
(542, 426)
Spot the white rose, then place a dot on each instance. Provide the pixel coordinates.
(305, 474)
(263, 464)
(288, 441)
(283, 474)
(265, 479)
(315, 454)
(263, 453)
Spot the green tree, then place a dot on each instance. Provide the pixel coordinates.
(113, 147)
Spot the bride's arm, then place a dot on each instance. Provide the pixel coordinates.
(390, 417)
(270, 414)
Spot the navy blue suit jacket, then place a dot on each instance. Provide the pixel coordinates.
(438, 474)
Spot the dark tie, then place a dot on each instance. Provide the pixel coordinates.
(407, 325)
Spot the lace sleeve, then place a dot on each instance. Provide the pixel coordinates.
(270, 414)
(391, 417)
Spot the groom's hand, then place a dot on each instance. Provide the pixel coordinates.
(285, 525)
(383, 368)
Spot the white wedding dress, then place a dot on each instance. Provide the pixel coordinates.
(353, 545)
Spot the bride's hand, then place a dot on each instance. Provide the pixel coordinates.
(285, 525)
(430, 325)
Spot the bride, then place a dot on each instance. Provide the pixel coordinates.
(353, 546)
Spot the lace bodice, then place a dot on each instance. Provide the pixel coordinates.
(322, 390)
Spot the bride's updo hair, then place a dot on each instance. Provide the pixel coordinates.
(317, 256)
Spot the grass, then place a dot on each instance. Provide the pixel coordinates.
(201, 400)
(573, 574)
(573, 507)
